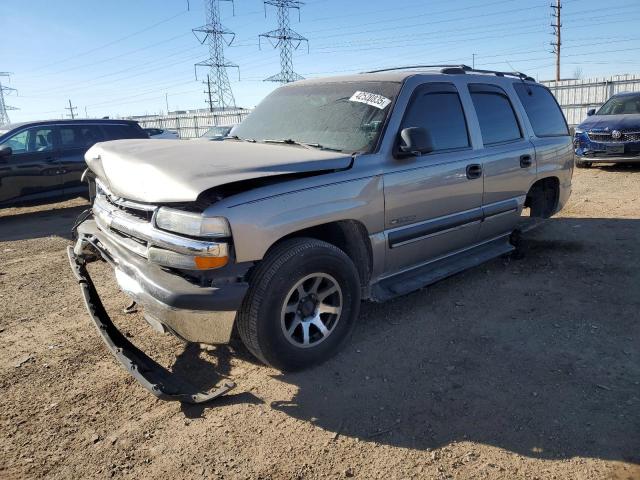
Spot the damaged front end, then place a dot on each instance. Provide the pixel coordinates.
(152, 266)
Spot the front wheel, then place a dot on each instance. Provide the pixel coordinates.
(302, 304)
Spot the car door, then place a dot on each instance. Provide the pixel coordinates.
(508, 160)
(32, 170)
(75, 140)
(433, 202)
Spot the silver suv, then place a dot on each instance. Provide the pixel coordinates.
(332, 191)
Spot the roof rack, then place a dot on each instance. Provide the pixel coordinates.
(457, 70)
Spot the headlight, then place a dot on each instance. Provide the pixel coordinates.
(578, 131)
(192, 224)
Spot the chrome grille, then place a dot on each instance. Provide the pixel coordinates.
(627, 136)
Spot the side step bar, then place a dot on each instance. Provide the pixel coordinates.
(148, 373)
(432, 272)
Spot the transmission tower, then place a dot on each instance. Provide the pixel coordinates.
(285, 39)
(217, 36)
(4, 116)
(557, 27)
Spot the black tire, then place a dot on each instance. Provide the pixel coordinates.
(260, 317)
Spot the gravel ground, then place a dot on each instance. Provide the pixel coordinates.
(520, 368)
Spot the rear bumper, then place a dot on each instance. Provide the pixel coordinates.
(169, 301)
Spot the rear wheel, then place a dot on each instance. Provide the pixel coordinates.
(302, 304)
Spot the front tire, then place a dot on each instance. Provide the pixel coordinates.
(302, 304)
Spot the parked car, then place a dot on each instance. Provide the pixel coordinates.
(217, 133)
(333, 190)
(161, 133)
(611, 134)
(45, 159)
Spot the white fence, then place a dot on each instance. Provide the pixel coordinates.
(192, 125)
(577, 96)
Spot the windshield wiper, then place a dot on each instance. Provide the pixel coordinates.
(289, 141)
(236, 137)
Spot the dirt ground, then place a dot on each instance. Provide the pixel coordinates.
(520, 368)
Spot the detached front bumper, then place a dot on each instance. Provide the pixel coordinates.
(148, 373)
(170, 302)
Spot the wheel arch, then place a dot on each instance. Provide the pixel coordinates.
(350, 236)
(543, 196)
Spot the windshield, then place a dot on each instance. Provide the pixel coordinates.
(344, 116)
(624, 105)
(217, 132)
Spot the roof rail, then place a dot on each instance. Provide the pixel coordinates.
(457, 70)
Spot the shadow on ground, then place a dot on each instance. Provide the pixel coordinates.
(38, 224)
(538, 356)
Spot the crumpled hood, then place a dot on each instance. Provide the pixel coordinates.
(164, 171)
(611, 122)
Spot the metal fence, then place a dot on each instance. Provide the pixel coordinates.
(192, 125)
(577, 96)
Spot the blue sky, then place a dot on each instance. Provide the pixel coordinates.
(121, 57)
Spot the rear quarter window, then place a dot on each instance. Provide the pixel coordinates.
(546, 117)
(497, 119)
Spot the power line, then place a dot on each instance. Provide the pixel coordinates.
(4, 116)
(557, 27)
(284, 39)
(217, 36)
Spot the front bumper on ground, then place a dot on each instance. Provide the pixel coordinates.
(151, 375)
(170, 303)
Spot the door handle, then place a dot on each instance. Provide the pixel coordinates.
(474, 171)
(525, 161)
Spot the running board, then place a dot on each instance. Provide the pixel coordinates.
(148, 373)
(417, 278)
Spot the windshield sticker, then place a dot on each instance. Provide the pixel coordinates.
(372, 99)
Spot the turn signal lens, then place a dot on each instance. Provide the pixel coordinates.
(206, 263)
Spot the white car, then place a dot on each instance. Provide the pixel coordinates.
(161, 133)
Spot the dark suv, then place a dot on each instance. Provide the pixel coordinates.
(40, 160)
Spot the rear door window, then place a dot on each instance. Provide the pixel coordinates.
(498, 122)
(437, 107)
(121, 131)
(545, 115)
(79, 136)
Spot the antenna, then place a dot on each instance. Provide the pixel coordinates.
(285, 39)
(217, 36)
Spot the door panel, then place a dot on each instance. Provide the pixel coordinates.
(509, 171)
(431, 210)
(75, 140)
(33, 169)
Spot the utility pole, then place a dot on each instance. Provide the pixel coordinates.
(86, 115)
(4, 116)
(166, 101)
(71, 109)
(208, 93)
(473, 61)
(217, 36)
(285, 39)
(557, 27)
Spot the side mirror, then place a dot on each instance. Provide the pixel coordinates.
(415, 141)
(5, 152)
(591, 111)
